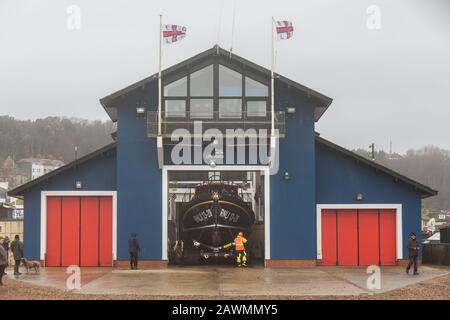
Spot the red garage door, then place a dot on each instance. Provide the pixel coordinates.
(79, 231)
(347, 237)
(352, 237)
(368, 235)
(388, 242)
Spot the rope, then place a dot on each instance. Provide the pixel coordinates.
(232, 28)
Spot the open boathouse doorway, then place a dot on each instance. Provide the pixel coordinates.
(205, 210)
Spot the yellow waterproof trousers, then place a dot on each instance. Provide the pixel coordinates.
(241, 258)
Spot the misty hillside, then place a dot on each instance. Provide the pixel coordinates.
(52, 137)
(429, 165)
(56, 138)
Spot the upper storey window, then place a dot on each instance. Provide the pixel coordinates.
(256, 94)
(254, 88)
(202, 82)
(176, 107)
(177, 88)
(215, 92)
(230, 82)
(230, 93)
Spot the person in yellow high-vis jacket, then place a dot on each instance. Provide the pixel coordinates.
(241, 254)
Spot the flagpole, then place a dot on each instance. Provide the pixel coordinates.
(272, 90)
(272, 102)
(159, 75)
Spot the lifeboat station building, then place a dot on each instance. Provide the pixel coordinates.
(317, 204)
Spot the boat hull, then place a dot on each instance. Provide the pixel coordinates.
(211, 220)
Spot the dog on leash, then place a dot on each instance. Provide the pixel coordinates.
(29, 264)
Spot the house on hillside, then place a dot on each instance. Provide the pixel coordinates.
(34, 167)
(10, 174)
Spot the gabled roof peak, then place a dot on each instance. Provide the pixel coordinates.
(321, 101)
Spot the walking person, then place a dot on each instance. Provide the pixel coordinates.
(17, 251)
(3, 260)
(133, 249)
(413, 250)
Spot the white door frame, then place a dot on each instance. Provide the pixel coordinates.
(398, 221)
(265, 170)
(45, 194)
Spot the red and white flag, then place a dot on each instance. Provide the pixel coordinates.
(173, 33)
(285, 30)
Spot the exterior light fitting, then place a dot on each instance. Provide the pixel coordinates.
(140, 110)
(78, 185)
(286, 176)
(359, 197)
(290, 110)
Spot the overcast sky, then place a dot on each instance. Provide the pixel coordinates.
(387, 83)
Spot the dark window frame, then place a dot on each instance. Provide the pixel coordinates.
(200, 118)
(216, 61)
(163, 102)
(258, 118)
(258, 81)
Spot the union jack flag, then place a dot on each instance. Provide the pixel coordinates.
(285, 30)
(173, 33)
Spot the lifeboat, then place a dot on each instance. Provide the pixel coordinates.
(212, 218)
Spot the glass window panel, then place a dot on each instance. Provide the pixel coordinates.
(230, 108)
(254, 88)
(202, 83)
(202, 109)
(177, 88)
(256, 108)
(175, 109)
(230, 82)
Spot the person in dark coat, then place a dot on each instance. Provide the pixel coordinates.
(133, 249)
(413, 250)
(5, 246)
(3, 260)
(17, 251)
(6, 242)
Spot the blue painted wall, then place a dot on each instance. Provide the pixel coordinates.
(292, 202)
(340, 178)
(317, 174)
(139, 191)
(98, 173)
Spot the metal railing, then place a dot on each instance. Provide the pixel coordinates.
(216, 120)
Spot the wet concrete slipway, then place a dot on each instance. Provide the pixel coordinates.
(230, 281)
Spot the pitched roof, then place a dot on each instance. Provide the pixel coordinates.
(20, 189)
(322, 101)
(425, 190)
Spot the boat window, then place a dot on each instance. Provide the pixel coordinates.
(214, 175)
